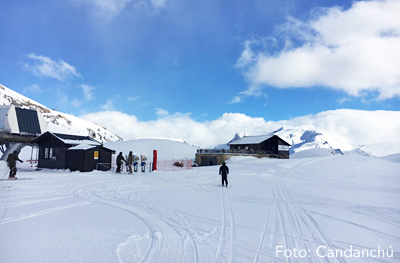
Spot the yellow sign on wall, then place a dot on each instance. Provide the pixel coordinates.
(96, 155)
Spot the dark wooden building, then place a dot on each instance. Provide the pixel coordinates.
(64, 151)
(86, 158)
(265, 144)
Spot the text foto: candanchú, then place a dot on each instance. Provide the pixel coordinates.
(324, 252)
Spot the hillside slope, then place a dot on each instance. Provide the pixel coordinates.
(58, 122)
(166, 149)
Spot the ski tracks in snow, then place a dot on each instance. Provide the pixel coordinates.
(263, 234)
(227, 236)
(300, 230)
(42, 212)
(168, 240)
(26, 197)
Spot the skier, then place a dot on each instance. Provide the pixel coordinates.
(120, 158)
(11, 160)
(130, 161)
(224, 171)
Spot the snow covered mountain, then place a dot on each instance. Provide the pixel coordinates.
(56, 121)
(309, 143)
(306, 140)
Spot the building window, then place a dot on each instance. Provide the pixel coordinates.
(50, 153)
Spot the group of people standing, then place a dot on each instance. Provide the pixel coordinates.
(129, 160)
(223, 170)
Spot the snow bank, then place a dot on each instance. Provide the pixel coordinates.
(166, 149)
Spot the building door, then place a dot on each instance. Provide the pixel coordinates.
(75, 160)
(209, 160)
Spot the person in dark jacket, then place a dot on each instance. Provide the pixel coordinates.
(11, 160)
(224, 171)
(120, 158)
(130, 161)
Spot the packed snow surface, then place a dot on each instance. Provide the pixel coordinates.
(306, 206)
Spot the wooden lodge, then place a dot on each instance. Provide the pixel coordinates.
(77, 153)
(270, 146)
(265, 144)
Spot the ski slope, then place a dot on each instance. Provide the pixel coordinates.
(304, 205)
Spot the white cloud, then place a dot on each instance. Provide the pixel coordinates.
(76, 103)
(376, 129)
(110, 8)
(130, 99)
(178, 126)
(342, 100)
(45, 67)
(161, 112)
(236, 99)
(88, 91)
(355, 50)
(109, 105)
(158, 3)
(34, 89)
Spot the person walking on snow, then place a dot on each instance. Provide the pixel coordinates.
(11, 160)
(120, 158)
(224, 171)
(130, 161)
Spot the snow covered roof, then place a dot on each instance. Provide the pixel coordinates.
(87, 142)
(76, 139)
(82, 147)
(86, 147)
(69, 139)
(251, 139)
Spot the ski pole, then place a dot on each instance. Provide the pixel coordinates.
(8, 170)
(5, 173)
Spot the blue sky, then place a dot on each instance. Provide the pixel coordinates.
(274, 59)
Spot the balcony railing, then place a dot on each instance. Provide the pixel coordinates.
(234, 151)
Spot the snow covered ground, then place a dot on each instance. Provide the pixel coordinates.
(304, 207)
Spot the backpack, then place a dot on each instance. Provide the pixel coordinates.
(9, 158)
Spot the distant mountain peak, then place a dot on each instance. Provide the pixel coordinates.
(278, 130)
(237, 136)
(307, 139)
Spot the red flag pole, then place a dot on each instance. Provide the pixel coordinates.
(154, 160)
